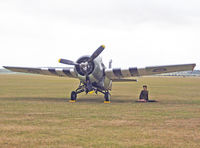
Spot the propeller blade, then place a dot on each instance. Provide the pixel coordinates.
(97, 53)
(68, 62)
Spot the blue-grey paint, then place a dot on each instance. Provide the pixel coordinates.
(67, 72)
(117, 72)
(134, 71)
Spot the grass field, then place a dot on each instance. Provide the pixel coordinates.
(34, 112)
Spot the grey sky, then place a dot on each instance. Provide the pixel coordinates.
(135, 33)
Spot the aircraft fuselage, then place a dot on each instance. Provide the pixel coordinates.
(96, 73)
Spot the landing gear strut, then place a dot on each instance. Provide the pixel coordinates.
(73, 96)
(107, 97)
(80, 89)
(84, 88)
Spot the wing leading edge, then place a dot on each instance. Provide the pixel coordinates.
(62, 72)
(118, 73)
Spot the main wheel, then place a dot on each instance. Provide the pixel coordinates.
(107, 96)
(73, 96)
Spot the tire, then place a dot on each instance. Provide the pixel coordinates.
(73, 96)
(107, 96)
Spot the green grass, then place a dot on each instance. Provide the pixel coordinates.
(35, 112)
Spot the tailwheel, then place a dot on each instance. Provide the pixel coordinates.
(107, 97)
(73, 96)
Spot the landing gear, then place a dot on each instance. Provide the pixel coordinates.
(80, 89)
(73, 96)
(87, 88)
(107, 97)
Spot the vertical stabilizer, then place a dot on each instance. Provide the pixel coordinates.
(110, 64)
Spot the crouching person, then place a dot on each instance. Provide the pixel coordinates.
(144, 95)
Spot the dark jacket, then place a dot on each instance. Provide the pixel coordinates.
(144, 95)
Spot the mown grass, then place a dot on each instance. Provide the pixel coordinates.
(35, 112)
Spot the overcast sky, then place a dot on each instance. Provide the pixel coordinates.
(135, 32)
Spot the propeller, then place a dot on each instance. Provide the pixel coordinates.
(96, 53)
(91, 58)
(68, 62)
(86, 65)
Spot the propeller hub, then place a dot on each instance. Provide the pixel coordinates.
(85, 67)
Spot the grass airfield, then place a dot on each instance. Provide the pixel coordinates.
(34, 112)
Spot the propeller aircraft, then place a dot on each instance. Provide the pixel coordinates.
(95, 77)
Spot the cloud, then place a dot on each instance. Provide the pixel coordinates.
(159, 32)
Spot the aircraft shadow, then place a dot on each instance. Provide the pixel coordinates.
(101, 100)
(79, 100)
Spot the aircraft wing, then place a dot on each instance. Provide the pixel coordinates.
(118, 73)
(62, 72)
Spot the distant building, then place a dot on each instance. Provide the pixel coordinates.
(195, 73)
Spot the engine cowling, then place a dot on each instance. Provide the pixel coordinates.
(93, 69)
(84, 68)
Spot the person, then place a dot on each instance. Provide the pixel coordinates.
(144, 95)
